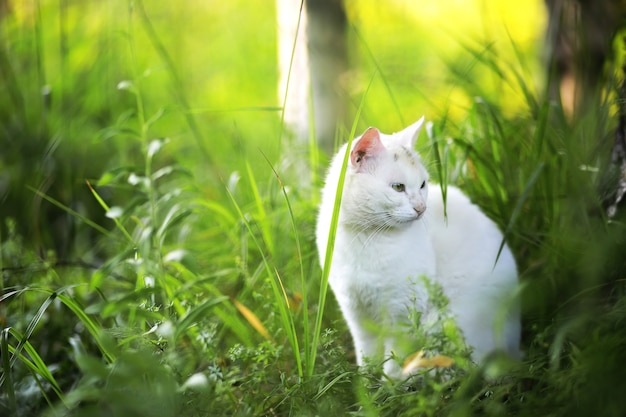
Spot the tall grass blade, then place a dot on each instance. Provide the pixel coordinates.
(92, 327)
(441, 164)
(6, 379)
(330, 248)
(286, 94)
(106, 208)
(522, 80)
(486, 56)
(282, 301)
(35, 364)
(314, 149)
(540, 132)
(28, 333)
(379, 70)
(518, 206)
(296, 235)
(76, 214)
(32, 325)
(12, 85)
(262, 215)
(229, 316)
(328, 386)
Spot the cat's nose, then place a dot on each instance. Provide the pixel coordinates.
(420, 209)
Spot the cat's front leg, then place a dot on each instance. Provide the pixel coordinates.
(392, 366)
(399, 339)
(366, 337)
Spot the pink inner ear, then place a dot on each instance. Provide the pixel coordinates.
(368, 146)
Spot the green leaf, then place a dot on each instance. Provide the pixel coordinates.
(74, 213)
(6, 379)
(91, 325)
(155, 146)
(195, 314)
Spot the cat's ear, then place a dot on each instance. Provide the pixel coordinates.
(408, 136)
(367, 147)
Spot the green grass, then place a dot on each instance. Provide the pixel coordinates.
(157, 250)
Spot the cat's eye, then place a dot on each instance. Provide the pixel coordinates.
(423, 185)
(397, 186)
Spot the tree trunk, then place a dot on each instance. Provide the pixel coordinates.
(319, 62)
(580, 37)
(580, 43)
(328, 62)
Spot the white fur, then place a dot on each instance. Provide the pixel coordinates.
(386, 240)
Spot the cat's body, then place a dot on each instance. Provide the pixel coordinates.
(392, 232)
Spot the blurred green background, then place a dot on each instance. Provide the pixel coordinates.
(211, 70)
(157, 216)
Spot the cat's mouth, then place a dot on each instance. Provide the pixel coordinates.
(418, 213)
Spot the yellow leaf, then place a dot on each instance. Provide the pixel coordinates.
(417, 361)
(252, 319)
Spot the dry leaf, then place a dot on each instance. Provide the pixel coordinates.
(418, 361)
(252, 319)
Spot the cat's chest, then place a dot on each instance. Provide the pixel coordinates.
(376, 260)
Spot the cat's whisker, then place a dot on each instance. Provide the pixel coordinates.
(371, 233)
(379, 230)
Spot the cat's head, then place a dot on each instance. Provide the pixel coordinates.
(386, 183)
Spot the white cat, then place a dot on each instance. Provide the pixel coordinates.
(392, 231)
